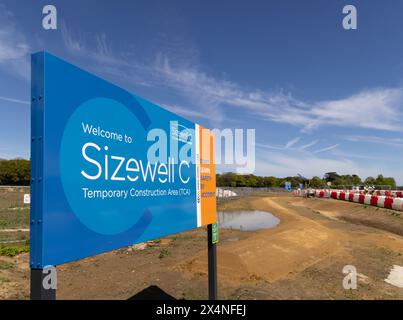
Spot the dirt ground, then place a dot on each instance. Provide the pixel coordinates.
(302, 258)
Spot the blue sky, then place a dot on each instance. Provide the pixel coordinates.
(320, 98)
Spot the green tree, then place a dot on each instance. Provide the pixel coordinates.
(370, 181)
(356, 180)
(390, 182)
(270, 182)
(228, 180)
(331, 177)
(14, 172)
(317, 182)
(385, 181)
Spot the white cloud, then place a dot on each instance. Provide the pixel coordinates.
(214, 98)
(267, 146)
(395, 142)
(187, 112)
(98, 54)
(337, 153)
(327, 148)
(377, 108)
(310, 144)
(290, 145)
(14, 48)
(282, 164)
(292, 142)
(156, 73)
(15, 100)
(69, 41)
(102, 54)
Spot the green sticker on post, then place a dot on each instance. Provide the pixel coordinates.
(214, 235)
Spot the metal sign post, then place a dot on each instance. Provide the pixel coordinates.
(212, 231)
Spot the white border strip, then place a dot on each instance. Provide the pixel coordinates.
(198, 187)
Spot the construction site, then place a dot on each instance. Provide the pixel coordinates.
(300, 256)
(201, 150)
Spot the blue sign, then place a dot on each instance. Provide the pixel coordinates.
(287, 186)
(109, 169)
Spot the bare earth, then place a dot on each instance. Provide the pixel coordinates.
(302, 258)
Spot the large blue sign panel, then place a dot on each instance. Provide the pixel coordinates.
(109, 169)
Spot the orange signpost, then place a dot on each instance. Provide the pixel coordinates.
(208, 205)
(207, 177)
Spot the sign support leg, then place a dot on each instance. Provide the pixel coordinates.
(212, 265)
(38, 292)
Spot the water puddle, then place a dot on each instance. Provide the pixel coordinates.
(247, 220)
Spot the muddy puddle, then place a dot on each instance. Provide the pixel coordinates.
(249, 220)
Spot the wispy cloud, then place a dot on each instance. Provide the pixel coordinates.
(155, 73)
(98, 54)
(377, 108)
(395, 142)
(309, 165)
(186, 112)
(310, 144)
(280, 163)
(214, 98)
(15, 100)
(290, 145)
(268, 146)
(292, 142)
(349, 154)
(327, 148)
(14, 47)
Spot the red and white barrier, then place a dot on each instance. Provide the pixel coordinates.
(389, 193)
(383, 201)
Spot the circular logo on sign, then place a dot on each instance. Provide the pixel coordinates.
(97, 173)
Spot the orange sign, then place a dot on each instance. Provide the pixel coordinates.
(207, 177)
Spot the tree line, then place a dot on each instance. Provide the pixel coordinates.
(231, 179)
(17, 172)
